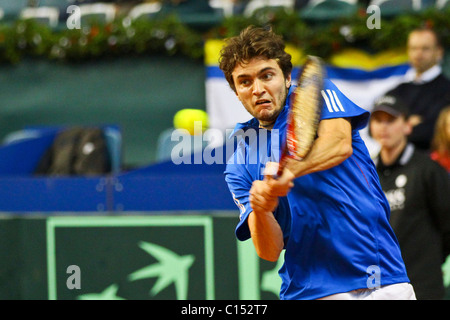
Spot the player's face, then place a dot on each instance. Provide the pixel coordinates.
(423, 50)
(262, 88)
(389, 131)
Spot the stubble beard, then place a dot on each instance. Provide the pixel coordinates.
(269, 117)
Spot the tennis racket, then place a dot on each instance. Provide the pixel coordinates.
(304, 115)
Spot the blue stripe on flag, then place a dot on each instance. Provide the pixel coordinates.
(358, 74)
(214, 72)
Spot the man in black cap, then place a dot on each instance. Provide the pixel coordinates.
(418, 193)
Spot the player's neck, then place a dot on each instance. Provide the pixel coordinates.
(266, 125)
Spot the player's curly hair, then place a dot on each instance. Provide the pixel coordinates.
(251, 43)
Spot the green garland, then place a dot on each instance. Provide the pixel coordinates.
(27, 38)
(169, 36)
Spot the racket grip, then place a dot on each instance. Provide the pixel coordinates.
(280, 168)
(273, 169)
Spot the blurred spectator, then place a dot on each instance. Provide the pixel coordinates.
(107, 1)
(300, 4)
(364, 3)
(440, 145)
(418, 190)
(426, 91)
(239, 6)
(187, 6)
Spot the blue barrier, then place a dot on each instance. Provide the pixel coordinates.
(20, 156)
(168, 186)
(159, 187)
(35, 194)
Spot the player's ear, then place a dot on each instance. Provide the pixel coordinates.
(288, 81)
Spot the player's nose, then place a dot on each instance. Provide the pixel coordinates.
(258, 88)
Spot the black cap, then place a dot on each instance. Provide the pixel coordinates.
(391, 105)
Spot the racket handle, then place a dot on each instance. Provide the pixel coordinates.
(281, 166)
(273, 169)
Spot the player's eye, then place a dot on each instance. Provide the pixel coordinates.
(267, 76)
(245, 82)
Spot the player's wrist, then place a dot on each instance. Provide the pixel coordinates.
(267, 207)
(294, 168)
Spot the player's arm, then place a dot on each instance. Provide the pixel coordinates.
(266, 233)
(332, 146)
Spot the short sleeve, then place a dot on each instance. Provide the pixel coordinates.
(337, 105)
(239, 186)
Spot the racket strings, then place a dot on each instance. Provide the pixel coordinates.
(305, 113)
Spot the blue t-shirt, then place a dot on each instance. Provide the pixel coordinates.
(335, 222)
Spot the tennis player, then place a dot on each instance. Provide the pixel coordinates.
(327, 211)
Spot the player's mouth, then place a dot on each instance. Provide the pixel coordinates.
(263, 103)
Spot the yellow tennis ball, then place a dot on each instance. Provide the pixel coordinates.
(193, 120)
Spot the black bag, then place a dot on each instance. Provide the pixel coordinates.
(76, 151)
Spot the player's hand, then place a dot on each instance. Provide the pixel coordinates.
(264, 193)
(280, 186)
(261, 197)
